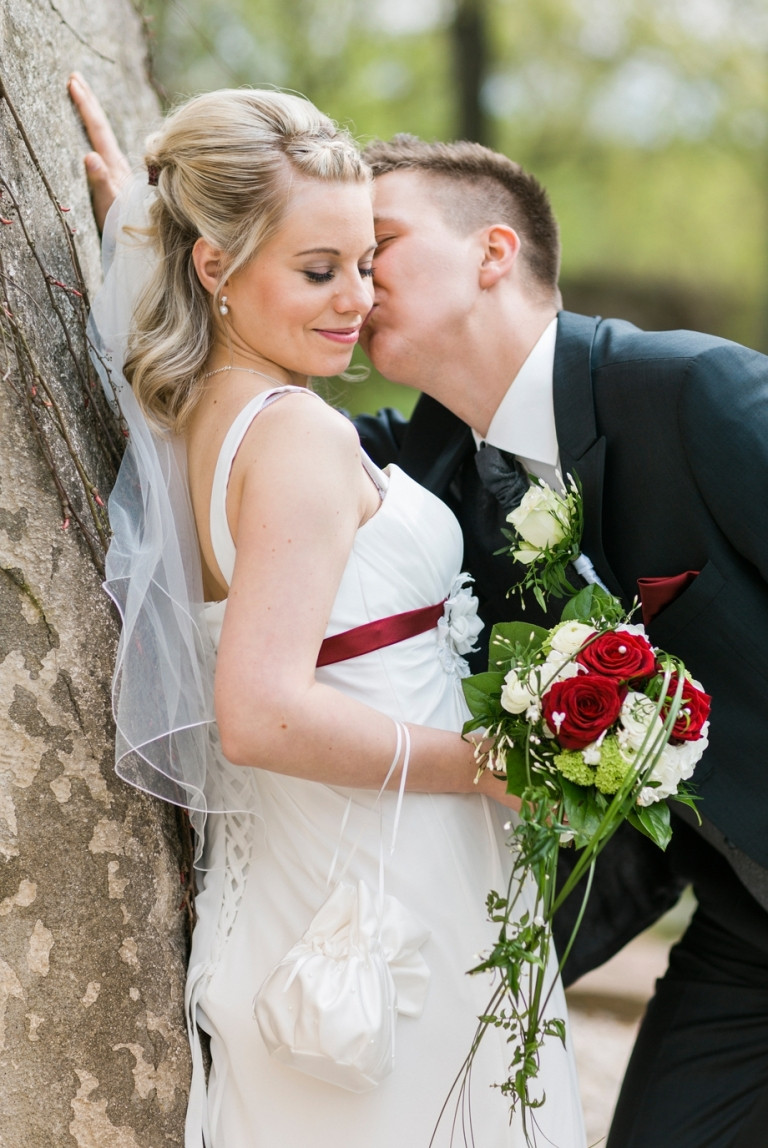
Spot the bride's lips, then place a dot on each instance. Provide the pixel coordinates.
(345, 335)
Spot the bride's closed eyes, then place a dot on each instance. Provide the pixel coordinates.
(327, 276)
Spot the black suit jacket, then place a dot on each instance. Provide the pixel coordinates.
(668, 433)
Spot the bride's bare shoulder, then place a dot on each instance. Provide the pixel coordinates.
(309, 416)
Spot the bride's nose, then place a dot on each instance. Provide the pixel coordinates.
(355, 294)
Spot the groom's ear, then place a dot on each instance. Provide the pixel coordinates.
(209, 263)
(501, 247)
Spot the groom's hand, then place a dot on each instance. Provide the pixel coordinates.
(106, 166)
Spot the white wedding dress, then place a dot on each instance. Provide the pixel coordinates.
(266, 876)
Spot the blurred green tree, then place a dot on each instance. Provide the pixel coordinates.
(647, 120)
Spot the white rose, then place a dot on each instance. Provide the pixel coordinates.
(569, 637)
(633, 628)
(637, 716)
(676, 763)
(516, 697)
(538, 517)
(556, 668)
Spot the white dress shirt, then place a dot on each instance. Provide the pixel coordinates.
(524, 422)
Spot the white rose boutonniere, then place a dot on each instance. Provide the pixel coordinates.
(541, 519)
(546, 536)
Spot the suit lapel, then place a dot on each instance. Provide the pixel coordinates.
(581, 451)
(435, 445)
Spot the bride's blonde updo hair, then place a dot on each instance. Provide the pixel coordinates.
(223, 163)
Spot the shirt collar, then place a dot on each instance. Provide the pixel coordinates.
(524, 422)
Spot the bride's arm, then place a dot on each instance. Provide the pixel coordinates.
(296, 498)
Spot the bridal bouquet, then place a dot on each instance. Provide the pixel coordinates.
(591, 726)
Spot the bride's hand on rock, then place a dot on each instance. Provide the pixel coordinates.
(106, 166)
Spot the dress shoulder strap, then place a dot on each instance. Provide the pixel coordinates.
(378, 477)
(221, 538)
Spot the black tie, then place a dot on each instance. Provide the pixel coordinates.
(502, 474)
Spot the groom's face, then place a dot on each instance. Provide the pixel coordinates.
(425, 281)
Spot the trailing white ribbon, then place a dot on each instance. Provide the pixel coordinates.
(583, 566)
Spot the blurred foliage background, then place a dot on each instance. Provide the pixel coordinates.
(647, 120)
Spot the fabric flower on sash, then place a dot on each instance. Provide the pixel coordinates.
(458, 629)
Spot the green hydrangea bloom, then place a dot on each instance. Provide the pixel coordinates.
(613, 767)
(573, 766)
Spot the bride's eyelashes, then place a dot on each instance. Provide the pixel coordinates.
(319, 276)
(327, 276)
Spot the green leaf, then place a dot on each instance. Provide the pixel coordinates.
(517, 773)
(653, 821)
(554, 1027)
(591, 604)
(584, 809)
(507, 637)
(481, 692)
(686, 797)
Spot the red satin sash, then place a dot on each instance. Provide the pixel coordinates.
(376, 635)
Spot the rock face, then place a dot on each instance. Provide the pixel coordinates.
(92, 938)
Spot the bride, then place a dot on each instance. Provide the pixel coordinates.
(294, 624)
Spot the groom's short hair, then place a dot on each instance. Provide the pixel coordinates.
(476, 187)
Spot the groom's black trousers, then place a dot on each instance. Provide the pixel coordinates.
(698, 1075)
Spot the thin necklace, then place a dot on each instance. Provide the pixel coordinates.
(247, 371)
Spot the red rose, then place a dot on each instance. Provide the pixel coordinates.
(580, 708)
(620, 655)
(693, 712)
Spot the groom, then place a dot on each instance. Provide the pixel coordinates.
(668, 434)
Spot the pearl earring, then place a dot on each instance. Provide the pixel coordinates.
(223, 308)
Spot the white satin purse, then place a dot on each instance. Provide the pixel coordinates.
(329, 1007)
